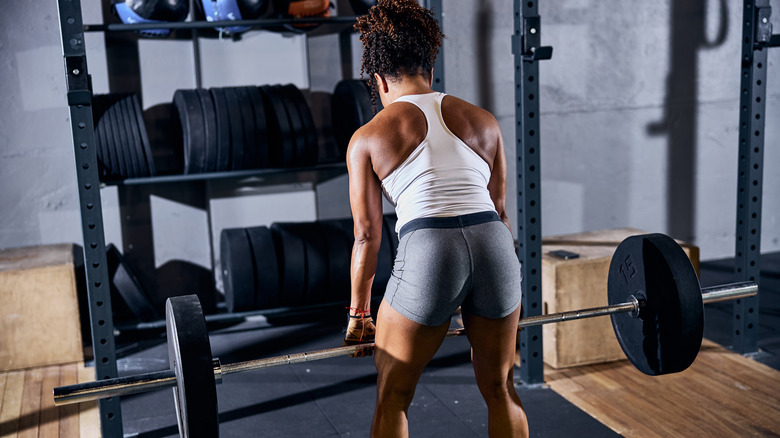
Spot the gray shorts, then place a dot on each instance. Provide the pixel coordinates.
(443, 263)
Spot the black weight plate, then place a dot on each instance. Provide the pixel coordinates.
(145, 144)
(316, 264)
(105, 125)
(189, 354)
(384, 263)
(236, 129)
(309, 130)
(281, 151)
(105, 155)
(237, 270)
(346, 111)
(115, 139)
(266, 268)
(187, 106)
(261, 127)
(339, 258)
(222, 114)
(124, 137)
(210, 126)
(296, 125)
(291, 256)
(99, 104)
(128, 287)
(132, 139)
(113, 147)
(666, 337)
(248, 121)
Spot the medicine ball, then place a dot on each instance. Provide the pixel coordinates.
(160, 10)
(361, 7)
(252, 9)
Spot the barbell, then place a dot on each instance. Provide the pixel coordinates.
(655, 302)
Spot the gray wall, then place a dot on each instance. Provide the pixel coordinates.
(639, 119)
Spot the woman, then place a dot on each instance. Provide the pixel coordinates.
(440, 161)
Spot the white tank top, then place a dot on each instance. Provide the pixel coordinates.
(442, 177)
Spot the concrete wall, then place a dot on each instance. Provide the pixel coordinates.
(639, 117)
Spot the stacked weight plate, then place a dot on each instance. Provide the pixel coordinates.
(239, 128)
(130, 302)
(351, 108)
(294, 264)
(123, 149)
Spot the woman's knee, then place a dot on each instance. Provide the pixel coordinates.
(496, 388)
(395, 394)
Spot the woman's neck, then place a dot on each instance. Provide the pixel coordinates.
(406, 85)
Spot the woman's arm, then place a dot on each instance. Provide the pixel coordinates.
(365, 198)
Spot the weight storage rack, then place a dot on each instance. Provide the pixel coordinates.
(79, 98)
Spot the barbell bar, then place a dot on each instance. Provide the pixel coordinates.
(655, 302)
(135, 384)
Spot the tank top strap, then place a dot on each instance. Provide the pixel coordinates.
(430, 105)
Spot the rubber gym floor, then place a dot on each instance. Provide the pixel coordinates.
(335, 397)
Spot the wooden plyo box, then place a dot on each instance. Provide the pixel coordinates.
(578, 284)
(39, 311)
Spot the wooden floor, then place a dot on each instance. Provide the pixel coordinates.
(27, 406)
(722, 394)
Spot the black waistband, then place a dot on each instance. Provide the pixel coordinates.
(449, 222)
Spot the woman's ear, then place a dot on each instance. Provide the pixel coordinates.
(381, 83)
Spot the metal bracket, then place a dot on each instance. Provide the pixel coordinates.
(527, 44)
(763, 23)
(79, 87)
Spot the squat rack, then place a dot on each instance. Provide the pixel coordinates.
(757, 37)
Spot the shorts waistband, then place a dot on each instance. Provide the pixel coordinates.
(465, 220)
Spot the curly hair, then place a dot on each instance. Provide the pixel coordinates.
(399, 38)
